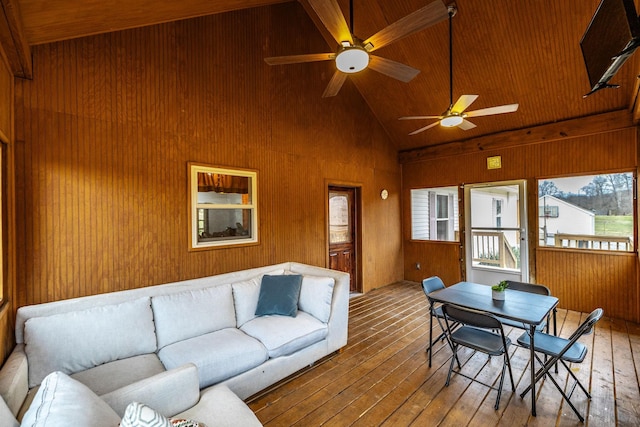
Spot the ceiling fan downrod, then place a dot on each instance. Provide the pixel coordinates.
(452, 10)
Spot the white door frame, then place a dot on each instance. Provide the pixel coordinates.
(491, 275)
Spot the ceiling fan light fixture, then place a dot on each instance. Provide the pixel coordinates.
(352, 59)
(451, 121)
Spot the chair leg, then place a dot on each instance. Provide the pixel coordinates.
(430, 348)
(577, 382)
(566, 398)
(504, 368)
(544, 372)
(453, 359)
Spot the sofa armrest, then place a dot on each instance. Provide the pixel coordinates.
(14, 379)
(168, 392)
(339, 318)
(220, 407)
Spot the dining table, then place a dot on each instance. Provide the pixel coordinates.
(528, 308)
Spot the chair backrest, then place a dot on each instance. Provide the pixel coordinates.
(529, 287)
(587, 326)
(478, 319)
(431, 284)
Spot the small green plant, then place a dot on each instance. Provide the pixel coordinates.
(500, 287)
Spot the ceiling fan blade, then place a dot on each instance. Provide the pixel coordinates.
(425, 128)
(331, 16)
(466, 125)
(463, 103)
(391, 68)
(298, 59)
(510, 108)
(419, 117)
(335, 84)
(419, 20)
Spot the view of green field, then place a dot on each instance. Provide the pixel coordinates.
(610, 225)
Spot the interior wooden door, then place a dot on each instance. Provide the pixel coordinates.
(343, 233)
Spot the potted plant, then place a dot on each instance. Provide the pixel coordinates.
(497, 291)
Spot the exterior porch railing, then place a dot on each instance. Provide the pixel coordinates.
(493, 248)
(590, 241)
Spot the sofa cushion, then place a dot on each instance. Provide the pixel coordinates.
(119, 373)
(188, 314)
(169, 392)
(315, 296)
(220, 407)
(245, 300)
(279, 295)
(62, 401)
(283, 335)
(218, 355)
(78, 340)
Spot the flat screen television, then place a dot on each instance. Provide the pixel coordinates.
(610, 39)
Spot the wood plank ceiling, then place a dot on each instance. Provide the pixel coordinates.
(505, 51)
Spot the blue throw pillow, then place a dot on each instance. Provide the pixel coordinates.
(279, 295)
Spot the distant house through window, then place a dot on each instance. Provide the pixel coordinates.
(592, 212)
(434, 214)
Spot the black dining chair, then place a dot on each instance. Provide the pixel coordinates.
(533, 289)
(476, 331)
(562, 350)
(432, 284)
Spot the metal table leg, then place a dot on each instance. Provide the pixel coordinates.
(532, 355)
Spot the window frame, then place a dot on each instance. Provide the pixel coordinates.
(585, 248)
(433, 197)
(252, 207)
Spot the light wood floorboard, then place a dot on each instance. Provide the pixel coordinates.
(382, 378)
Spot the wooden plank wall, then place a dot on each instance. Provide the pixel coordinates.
(106, 128)
(7, 259)
(581, 280)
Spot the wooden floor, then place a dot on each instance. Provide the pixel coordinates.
(382, 376)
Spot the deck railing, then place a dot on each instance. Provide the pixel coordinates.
(590, 241)
(492, 248)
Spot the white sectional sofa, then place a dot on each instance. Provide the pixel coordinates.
(154, 344)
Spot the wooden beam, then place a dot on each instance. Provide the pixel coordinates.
(318, 23)
(583, 126)
(12, 40)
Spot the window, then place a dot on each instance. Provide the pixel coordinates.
(592, 212)
(497, 208)
(223, 207)
(434, 214)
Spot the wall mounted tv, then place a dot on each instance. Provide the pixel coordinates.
(610, 39)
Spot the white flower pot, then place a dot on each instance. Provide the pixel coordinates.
(498, 295)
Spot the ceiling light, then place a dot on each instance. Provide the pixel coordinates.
(451, 121)
(352, 59)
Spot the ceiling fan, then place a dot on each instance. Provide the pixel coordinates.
(353, 54)
(455, 116)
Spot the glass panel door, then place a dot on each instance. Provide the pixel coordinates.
(496, 232)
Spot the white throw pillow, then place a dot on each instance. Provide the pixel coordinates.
(245, 300)
(315, 296)
(62, 402)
